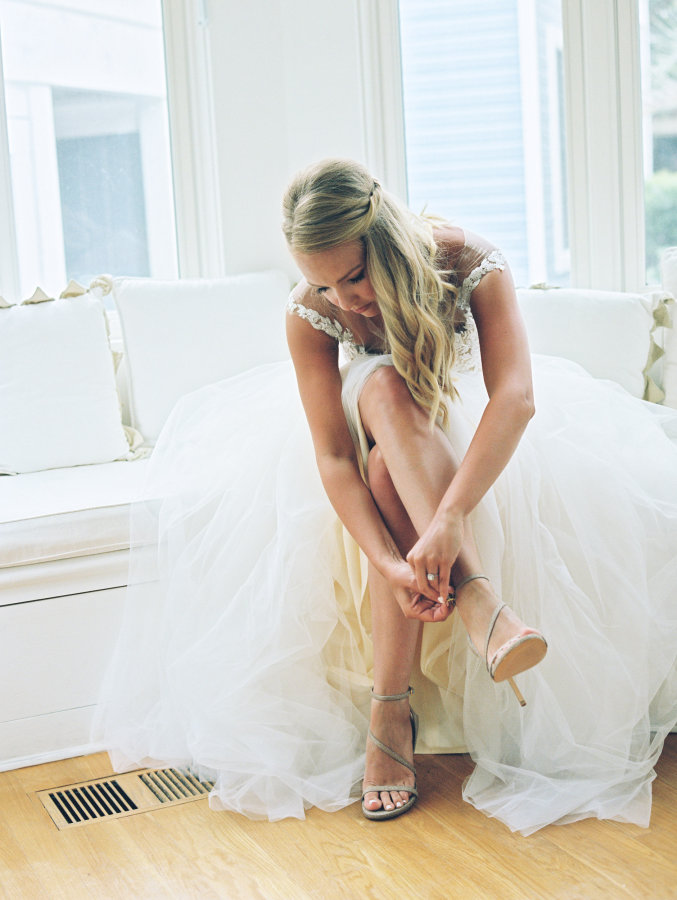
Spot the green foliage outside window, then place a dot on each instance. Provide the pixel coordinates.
(660, 197)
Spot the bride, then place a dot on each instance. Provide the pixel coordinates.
(263, 598)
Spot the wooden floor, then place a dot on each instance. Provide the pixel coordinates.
(442, 849)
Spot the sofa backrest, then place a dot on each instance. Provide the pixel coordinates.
(613, 335)
(180, 335)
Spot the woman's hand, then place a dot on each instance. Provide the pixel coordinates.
(416, 604)
(435, 553)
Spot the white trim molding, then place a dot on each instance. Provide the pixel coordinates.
(604, 138)
(557, 141)
(532, 142)
(192, 138)
(383, 106)
(10, 282)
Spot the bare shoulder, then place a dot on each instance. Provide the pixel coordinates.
(462, 251)
(450, 240)
(312, 322)
(303, 294)
(310, 335)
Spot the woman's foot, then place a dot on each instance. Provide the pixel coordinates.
(477, 602)
(391, 723)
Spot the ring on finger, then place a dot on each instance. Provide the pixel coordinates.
(430, 576)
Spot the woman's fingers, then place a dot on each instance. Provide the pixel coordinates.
(443, 583)
(428, 611)
(429, 587)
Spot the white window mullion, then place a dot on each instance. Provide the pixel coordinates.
(191, 124)
(532, 142)
(631, 145)
(602, 74)
(9, 261)
(383, 107)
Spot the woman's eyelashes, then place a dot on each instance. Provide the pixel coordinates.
(356, 280)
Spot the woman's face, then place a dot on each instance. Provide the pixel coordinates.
(340, 275)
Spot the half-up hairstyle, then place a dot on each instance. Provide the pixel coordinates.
(337, 201)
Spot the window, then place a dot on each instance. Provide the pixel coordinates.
(659, 91)
(484, 123)
(86, 139)
(602, 201)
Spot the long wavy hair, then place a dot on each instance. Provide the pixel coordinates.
(336, 201)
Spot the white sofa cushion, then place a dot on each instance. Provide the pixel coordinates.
(608, 333)
(67, 513)
(181, 335)
(58, 400)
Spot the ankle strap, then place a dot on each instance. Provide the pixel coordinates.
(409, 690)
(464, 581)
(490, 631)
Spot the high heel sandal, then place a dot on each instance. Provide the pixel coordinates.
(378, 788)
(517, 655)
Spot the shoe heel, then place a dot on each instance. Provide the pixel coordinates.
(414, 729)
(517, 692)
(517, 655)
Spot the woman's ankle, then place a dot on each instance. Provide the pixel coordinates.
(391, 689)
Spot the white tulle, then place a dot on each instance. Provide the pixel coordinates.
(245, 649)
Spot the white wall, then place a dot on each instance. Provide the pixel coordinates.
(287, 92)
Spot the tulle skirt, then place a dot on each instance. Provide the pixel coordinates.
(245, 650)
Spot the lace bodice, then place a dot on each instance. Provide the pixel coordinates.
(466, 342)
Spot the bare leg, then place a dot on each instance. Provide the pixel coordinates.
(421, 465)
(410, 468)
(394, 638)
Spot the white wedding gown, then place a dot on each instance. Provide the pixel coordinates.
(245, 649)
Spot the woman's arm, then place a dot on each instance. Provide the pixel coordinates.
(506, 366)
(507, 374)
(315, 358)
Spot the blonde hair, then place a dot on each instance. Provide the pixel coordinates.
(337, 201)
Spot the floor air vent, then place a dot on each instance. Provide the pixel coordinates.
(121, 795)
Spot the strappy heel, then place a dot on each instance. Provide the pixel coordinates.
(379, 788)
(517, 655)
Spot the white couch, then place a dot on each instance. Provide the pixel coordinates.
(64, 534)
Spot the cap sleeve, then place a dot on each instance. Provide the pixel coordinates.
(475, 259)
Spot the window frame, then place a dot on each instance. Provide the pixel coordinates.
(192, 138)
(9, 258)
(604, 143)
(378, 26)
(199, 231)
(603, 115)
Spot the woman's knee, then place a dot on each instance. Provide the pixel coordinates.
(387, 385)
(386, 394)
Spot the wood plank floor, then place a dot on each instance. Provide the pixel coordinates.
(442, 849)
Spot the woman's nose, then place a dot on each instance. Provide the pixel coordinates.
(343, 300)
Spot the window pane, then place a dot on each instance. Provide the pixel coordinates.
(659, 89)
(88, 138)
(484, 118)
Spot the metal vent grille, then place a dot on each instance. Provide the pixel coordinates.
(123, 795)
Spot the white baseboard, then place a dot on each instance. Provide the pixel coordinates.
(41, 739)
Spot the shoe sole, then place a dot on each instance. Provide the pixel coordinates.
(528, 651)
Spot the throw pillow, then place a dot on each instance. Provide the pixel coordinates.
(58, 400)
